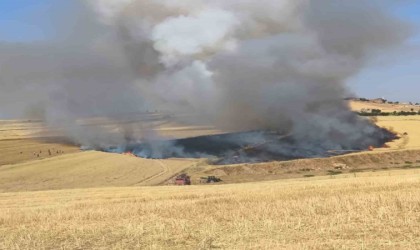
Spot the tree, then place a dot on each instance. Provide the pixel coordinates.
(376, 111)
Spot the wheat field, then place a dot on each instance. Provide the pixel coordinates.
(101, 206)
(407, 128)
(367, 211)
(87, 170)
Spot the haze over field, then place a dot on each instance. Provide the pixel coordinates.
(238, 65)
(244, 100)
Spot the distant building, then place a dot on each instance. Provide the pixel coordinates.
(379, 100)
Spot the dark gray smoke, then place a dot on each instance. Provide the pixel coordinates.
(241, 65)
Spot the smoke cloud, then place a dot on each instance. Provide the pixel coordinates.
(240, 65)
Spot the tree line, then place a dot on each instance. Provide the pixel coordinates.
(378, 112)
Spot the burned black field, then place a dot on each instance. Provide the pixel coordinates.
(246, 147)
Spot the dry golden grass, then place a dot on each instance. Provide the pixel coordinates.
(366, 212)
(23, 141)
(20, 129)
(24, 150)
(163, 125)
(160, 124)
(349, 211)
(88, 169)
(403, 124)
(34, 158)
(399, 124)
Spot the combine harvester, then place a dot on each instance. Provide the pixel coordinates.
(182, 180)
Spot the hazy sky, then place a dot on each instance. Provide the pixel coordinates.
(395, 76)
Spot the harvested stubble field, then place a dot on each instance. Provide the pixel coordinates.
(379, 210)
(346, 212)
(25, 150)
(30, 141)
(21, 170)
(34, 158)
(88, 169)
(408, 128)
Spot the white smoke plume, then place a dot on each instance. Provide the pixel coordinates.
(237, 64)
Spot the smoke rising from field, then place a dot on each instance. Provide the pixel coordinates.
(237, 64)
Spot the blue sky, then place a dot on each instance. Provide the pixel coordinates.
(397, 79)
(30, 20)
(398, 76)
(20, 21)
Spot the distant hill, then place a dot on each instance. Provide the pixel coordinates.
(366, 105)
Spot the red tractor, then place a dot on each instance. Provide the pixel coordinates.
(182, 179)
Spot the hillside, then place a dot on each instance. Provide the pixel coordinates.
(88, 169)
(401, 153)
(25, 140)
(92, 200)
(35, 158)
(23, 167)
(366, 212)
(384, 107)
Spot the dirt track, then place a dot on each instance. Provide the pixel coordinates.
(88, 169)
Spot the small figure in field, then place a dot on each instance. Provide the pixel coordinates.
(49, 152)
(37, 155)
